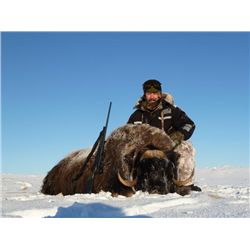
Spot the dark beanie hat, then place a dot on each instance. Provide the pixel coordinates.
(152, 86)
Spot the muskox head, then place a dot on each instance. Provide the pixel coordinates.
(154, 171)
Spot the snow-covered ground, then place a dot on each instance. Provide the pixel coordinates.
(225, 193)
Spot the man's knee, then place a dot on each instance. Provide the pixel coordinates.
(185, 164)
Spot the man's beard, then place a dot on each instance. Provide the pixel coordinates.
(151, 105)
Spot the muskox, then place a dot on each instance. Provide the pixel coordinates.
(136, 157)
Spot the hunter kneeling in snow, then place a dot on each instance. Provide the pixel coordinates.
(157, 109)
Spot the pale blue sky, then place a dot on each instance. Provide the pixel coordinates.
(56, 88)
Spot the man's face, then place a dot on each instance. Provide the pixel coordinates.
(152, 97)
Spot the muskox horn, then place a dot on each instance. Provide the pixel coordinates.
(127, 183)
(180, 183)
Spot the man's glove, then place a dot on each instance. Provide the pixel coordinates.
(177, 137)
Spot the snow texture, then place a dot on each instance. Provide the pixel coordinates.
(225, 194)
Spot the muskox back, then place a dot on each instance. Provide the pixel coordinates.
(123, 152)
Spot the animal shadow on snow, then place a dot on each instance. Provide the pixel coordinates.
(92, 210)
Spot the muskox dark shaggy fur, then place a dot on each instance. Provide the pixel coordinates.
(135, 151)
(156, 174)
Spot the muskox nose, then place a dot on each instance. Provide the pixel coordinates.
(159, 190)
(154, 191)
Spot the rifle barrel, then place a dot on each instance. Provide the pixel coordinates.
(107, 120)
(98, 158)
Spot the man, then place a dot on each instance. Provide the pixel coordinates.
(155, 109)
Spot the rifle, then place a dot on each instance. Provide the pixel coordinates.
(98, 163)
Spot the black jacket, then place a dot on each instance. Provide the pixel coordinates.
(165, 116)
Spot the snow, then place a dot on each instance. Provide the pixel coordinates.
(225, 194)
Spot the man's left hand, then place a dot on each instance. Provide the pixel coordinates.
(177, 137)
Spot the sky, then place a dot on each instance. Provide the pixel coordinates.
(56, 88)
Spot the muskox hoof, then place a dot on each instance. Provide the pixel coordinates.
(195, 188)
(185, 190)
